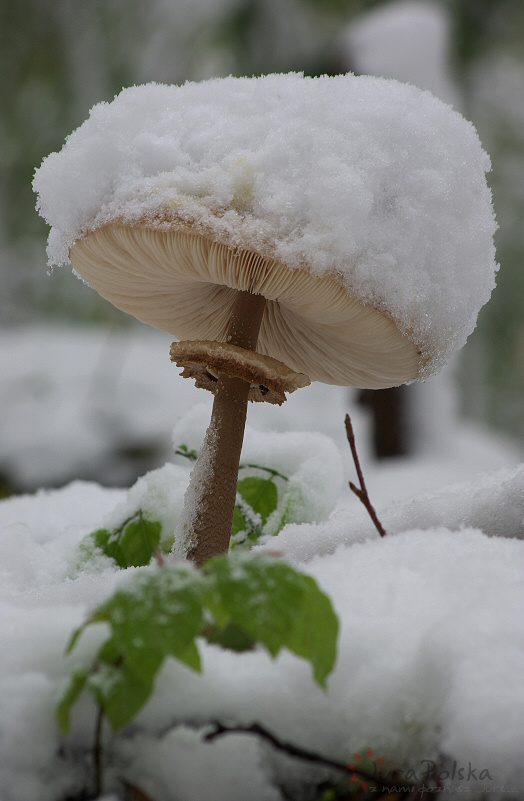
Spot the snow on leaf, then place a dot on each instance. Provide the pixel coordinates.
(235, 602)
(131, 544)
(277, 606)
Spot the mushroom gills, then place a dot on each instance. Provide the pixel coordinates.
(183, 282)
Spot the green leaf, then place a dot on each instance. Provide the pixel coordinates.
(275, 605)
(160, 613)
(230, 636)
(315, 631)
(156, 616)
(239, 523)
(76, 685)
(234, 601)
(261, 494)
(101, 538)
(121, 690)
(132, 544)
(259, 498)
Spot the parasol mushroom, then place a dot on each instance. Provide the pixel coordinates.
(237, 243)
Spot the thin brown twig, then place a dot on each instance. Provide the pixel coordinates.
(287, 748)
(362, 493)
(97, 752)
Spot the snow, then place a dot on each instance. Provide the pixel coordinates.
(311, 464)
(492, 503)
(431, 647)
(408, 40)
(364, 178)
(193, 498)
(101, 405)
(75, 401)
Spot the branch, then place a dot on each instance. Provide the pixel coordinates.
(361, 493)
(97, 752)
(287, 748)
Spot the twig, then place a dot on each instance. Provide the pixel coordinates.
(134, 793)
(269, 470)
(361, 493)
(287, 748)
(97, 751)
(184, 451)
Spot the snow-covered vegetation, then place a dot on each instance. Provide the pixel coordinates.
(318, 661)
(430, 648)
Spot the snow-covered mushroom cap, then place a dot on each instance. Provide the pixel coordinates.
(185, 283)
(357, 206)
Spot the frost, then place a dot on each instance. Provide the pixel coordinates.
(193, 496)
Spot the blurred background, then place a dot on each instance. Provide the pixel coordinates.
(85, 391)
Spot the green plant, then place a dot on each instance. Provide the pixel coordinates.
(134, 541)
(131, 544)
(236, 601)
(257, 498)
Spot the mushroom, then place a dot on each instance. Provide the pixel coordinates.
(285, 230)
(253, 308)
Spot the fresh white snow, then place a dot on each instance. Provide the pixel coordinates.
(408, 40)
(431, 647)
(364, 178)
(72, 399)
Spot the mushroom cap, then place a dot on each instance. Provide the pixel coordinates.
(184, 283)
(357, 206)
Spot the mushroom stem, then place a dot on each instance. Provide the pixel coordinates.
(213, 485)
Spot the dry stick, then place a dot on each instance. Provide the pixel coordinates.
(287, 748)
(215, 476)
(361, 493)
(97, 751)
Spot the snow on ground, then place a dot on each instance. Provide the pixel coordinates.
(85, 402)
(101, 404)
(431, 647)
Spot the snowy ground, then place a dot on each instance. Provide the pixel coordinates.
(431, 648)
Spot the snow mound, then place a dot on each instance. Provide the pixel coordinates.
(492, 503)
(428, 671)
(374, 182)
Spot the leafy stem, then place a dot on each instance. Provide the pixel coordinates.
(192, 455)
(269, 470)
(184, 451)
(235, 601)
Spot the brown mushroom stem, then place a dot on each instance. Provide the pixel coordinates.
(213, 484)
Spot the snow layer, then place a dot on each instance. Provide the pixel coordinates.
(375, 182)
(430, 654)
(430, 657)
(408, 40)
(491, 502)
(86, 402)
